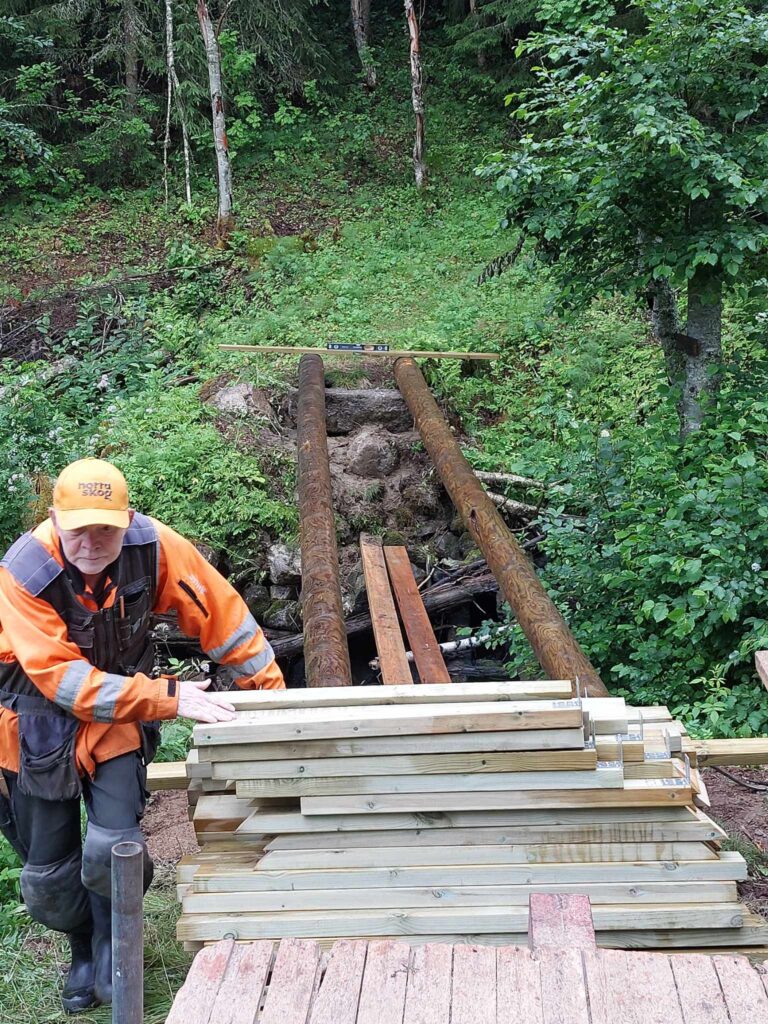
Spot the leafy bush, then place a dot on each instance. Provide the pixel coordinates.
(664, 577)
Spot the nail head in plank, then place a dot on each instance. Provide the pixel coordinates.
(292, 986)
(382, 996)
(743, 989)
(428, 994)
(560, 921)
(386, 628)
(339, 995)
(426, 650)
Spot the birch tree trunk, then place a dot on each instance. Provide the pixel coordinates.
(225, 220)
(361, 29)
(417, 95)
(173, 87)
(702, 381)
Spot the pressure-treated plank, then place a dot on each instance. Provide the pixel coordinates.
(436, 744)
(428, 994)
(440, 693)
(438, 895)
(337, 999)
(542, 853)
(249, 878)
(647, 792)
(331, 723)
(382, 995)
(386, 628)
(478, 920)
(473, 988)
(610, 832)
(743, 990)
(518, 987)
(292, 986)
(732, 752)
(421, 636)
(240, 993)
(194, 1000)
(563, 993)
(698, 989)
(408, 764)
(560, 922)
(603, 777)
(285, 822)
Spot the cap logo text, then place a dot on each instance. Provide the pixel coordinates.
(96, 489)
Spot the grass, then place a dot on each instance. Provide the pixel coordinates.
(33, 964)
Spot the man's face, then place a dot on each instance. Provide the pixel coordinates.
(91, 548)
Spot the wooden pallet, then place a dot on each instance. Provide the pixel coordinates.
(561, 976)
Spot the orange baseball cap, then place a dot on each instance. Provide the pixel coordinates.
(91, 492)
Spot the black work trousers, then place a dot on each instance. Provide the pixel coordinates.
(60, 869)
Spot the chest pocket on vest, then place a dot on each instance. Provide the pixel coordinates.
(133, 610)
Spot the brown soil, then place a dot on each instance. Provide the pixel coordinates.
(743, 813)
(166, 825)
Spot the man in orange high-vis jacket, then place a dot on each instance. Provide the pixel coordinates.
(80, 706)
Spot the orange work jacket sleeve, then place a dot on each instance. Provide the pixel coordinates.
(211, 610)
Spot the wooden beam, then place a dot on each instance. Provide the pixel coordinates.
(362, 897)
(408, 764)
(352, 723)
(421, 636)
(355, 696)
(468, 920)
(609, 776)
(297, 350)
(386, 628)
(240, 877)
(645, 793)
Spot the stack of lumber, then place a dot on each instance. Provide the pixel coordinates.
(434, 812)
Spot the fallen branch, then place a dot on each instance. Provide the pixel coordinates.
(512, 478)
(517, 508)
(451, 648)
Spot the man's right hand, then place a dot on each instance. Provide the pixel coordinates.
(203, 707)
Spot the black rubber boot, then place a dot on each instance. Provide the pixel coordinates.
(78, 992)
(101, 908)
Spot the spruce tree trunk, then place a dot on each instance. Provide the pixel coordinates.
(361, 28)
(173, 85)
(705, 308)
(417, 95)
(225, 221)
(130, 54)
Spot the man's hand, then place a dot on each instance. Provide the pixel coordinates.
(203, 707)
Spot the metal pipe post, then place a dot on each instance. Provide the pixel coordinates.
(555, 647)
(127, 933)
(326, 655)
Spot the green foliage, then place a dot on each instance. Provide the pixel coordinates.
(10, 896)
(646, 148)
(180, 469)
